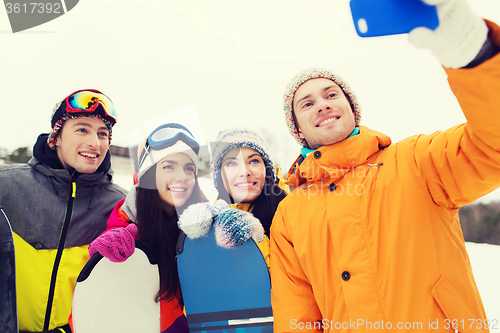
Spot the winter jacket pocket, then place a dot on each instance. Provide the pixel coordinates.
(458, 316)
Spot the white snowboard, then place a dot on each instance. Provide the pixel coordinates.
(118, 297)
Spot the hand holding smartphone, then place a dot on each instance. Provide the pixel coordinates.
(390, 17)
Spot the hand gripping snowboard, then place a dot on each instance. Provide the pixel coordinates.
(118, 297)
(8, 298)
(224, 290)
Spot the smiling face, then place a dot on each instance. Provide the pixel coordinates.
(175, 180)
(324, 115)
(82, 144)
(243, 174)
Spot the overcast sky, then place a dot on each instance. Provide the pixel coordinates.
(231, 59)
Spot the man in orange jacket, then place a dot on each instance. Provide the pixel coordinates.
(370, 238)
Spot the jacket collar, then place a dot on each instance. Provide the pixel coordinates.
(44, 154)
(129, 206)
(65, 176)
(46, 162)
(332, 162)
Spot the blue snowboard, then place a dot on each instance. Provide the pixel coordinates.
(224, 290)
(8, 299)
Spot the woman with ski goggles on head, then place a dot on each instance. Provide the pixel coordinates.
(167, 185)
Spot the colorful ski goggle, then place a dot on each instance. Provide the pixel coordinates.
(167, 135)
(87, 101)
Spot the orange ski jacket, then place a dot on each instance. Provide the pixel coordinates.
(370, 239)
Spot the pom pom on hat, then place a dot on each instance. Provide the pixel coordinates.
(236, 138)
(297, 81)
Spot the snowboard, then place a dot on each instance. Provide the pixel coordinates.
(118, 297)
(8, 298)
(224, 290)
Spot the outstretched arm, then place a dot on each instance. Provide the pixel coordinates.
(462, 164)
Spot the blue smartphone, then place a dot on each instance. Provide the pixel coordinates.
(391, 17)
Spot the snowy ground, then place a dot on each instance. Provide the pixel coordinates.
(485, 260)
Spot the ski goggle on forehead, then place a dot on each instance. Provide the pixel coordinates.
(166, 136)
(87, 101)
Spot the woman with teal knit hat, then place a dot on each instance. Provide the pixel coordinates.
(247, 180)
(245, 175)
(249, 193)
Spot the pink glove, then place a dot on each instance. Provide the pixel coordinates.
(116, 244)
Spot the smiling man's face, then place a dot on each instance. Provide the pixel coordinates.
(324, 114)
(83, 144)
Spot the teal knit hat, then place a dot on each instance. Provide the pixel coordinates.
(236, 138)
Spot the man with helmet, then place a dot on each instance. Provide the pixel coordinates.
(57, 204)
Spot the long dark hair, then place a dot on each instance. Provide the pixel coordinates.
(266, 203)
(159, 231)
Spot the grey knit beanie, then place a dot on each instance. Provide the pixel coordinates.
(298, 80)
(236, 138)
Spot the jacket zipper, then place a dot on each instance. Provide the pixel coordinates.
(60, 249)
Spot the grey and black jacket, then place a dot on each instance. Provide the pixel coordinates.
(55, 213)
